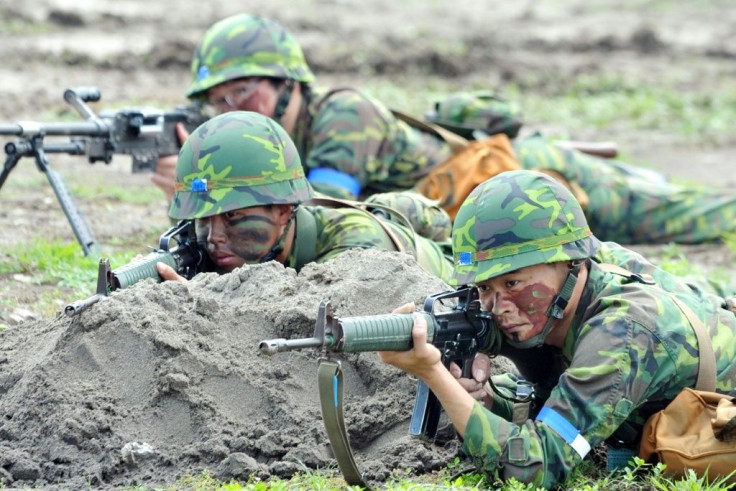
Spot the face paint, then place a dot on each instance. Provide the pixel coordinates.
(236, 238)
(519, 301)
(532, 301)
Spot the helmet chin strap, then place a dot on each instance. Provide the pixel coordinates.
(283, 100)
(278, 247)
(554, 312)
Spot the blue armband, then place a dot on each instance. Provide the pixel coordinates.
(565, 429)
(332, 177)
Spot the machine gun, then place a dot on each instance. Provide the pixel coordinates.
(459, 333)
(145, 134)
(186, 257)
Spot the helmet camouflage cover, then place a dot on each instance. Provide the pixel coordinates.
(464, 112)
(246, 45)
(514, 220)
(237, 160)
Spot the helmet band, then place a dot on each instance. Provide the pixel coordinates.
(467, 258)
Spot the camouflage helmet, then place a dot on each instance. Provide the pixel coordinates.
(514, 220)
(246, 45)
(237, 160)
(465, 112)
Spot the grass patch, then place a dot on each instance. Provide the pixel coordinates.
(95, 187)
(62, 267)
(586, 476)
(57, 263)
(601, 101)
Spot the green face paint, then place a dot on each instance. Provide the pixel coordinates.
(238, 237)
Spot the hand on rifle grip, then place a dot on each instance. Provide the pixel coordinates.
(477, 386)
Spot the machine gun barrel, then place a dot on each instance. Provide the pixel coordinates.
(27, 129)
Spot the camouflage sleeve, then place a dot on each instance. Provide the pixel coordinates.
(631, 205)
(343, 229)
(617, 365)
(348, 136)
(357, 148)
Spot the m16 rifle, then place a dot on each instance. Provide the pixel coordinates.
(177, 247)
(459, 333)
(143, 133)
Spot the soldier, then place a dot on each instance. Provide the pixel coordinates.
(611, 344)
(353, 147)
(239, 176)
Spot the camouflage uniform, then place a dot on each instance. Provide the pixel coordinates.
(340, 229)
(627, 205)
(350, 145)
(628, 352)
(244, 159)
(346, 137)
(353, 146)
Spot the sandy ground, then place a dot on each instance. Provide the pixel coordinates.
(177, 369)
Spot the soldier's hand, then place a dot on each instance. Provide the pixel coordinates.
(168, 273)
(421, 359)
(165, 172)
(477, 386)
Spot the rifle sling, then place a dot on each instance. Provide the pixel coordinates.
(455, 141)
(306, 238)
(329, 376)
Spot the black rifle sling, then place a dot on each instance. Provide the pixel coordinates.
(330, 397)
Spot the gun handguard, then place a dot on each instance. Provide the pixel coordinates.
(389, 332)
(186, 258)
(144, 268)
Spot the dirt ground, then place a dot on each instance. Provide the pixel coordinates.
(174, 370)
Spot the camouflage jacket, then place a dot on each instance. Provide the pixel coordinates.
(629, 351)
(632, 205)
(336, 230)
(352, 146)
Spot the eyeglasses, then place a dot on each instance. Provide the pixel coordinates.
(235, 97)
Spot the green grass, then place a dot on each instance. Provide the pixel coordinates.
(63, 268)
(586, 477)
(95, 188)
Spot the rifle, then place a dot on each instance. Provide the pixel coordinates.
(186, 257)
(459, 333)
(143, 133)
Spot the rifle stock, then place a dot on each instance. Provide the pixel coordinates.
(186, 257)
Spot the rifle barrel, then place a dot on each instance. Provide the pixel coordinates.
(75, 308)
(272, 346)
